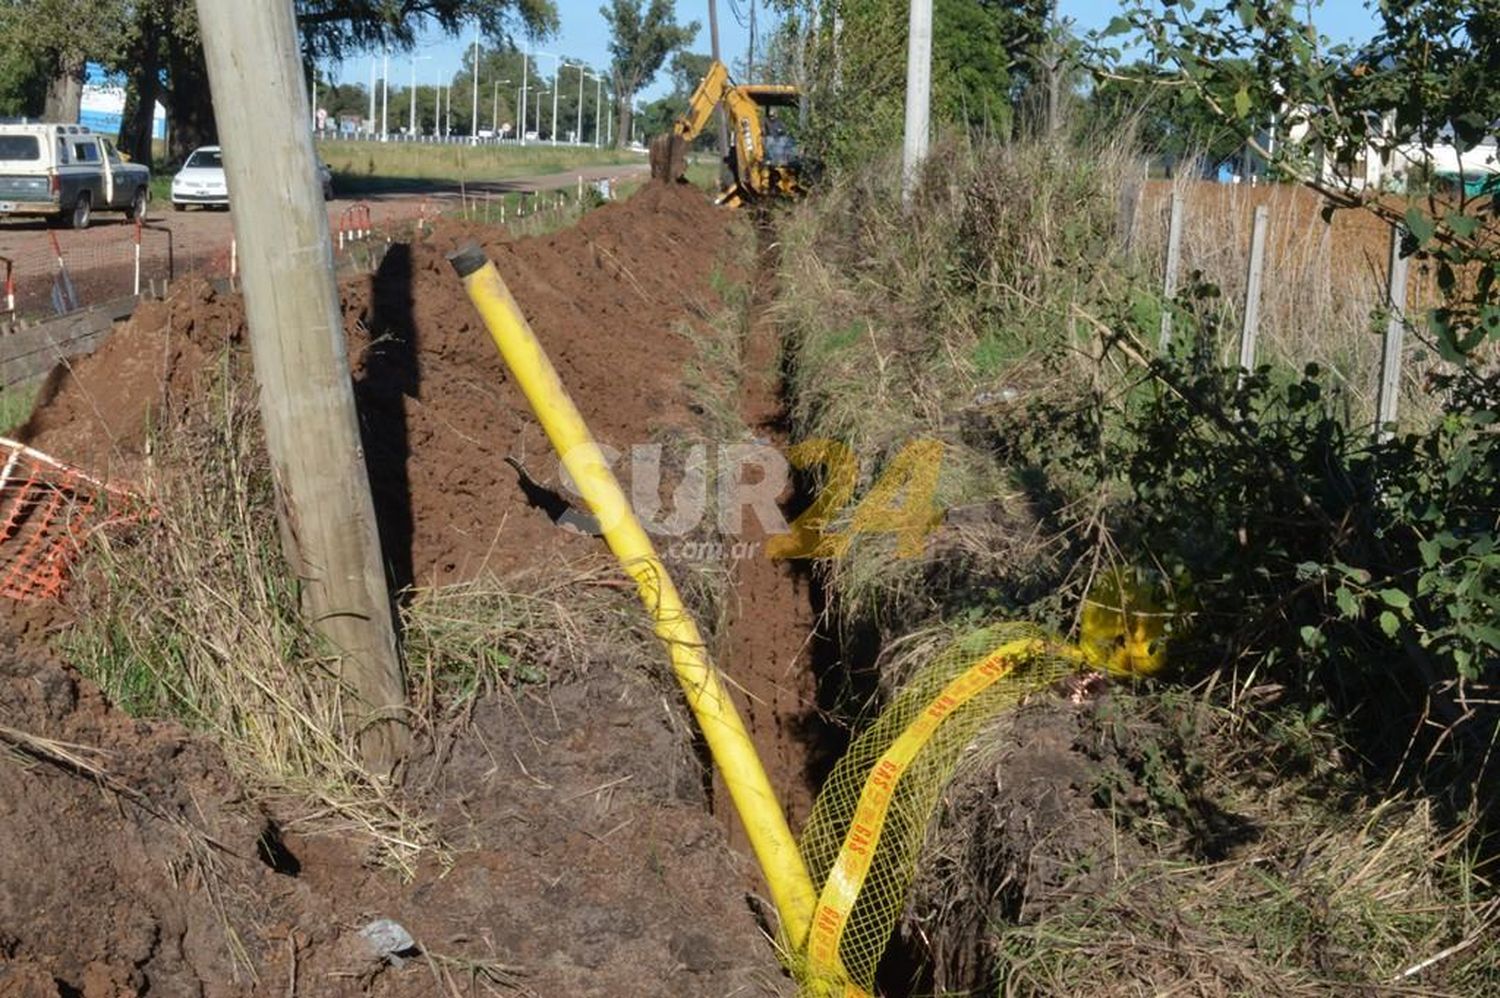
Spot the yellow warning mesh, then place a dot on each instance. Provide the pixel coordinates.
(862, 840)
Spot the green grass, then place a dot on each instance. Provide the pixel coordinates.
(375, 167)
(15, 406)
(367, 167)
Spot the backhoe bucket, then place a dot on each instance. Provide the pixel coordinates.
(668, 158)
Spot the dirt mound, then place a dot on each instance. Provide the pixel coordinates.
(608, 298)
(587, 861)
(131, 857)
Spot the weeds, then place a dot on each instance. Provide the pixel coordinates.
(16, 403)
(196, 616)
(1003, 316)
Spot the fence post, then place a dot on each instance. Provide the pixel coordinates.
(1174, 263)
(10, 285)
(137, 256)
(1250, 329)
(1395, 332)
(1130, 199)
(64, 295)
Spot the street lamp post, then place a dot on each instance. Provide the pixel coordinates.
(578, 135)
(411, 127)
(474, 121)
(525, 73)
(495, 109)
(598, 107)
(556, 86)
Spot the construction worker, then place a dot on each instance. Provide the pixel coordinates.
(778, 142)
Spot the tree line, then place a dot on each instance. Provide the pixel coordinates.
(46, 45)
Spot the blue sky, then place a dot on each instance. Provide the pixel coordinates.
(584, 36)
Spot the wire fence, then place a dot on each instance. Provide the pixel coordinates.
(105, 263)
(78, 270)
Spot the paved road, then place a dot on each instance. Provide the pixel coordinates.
(198, 238)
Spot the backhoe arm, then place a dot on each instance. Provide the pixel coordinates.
(706, 97)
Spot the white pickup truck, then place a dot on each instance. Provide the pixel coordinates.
(66, 173)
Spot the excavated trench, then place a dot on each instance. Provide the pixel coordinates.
(778, 645)
(584, 858)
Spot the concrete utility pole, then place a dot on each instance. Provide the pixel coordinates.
(578, 135)
(713, 40)
(385, 96)
(412, 124)
(525, 75)
(474, 126)
(370, 122)
(301, 361)
(598, 107)
(556, 87)
(918, 95)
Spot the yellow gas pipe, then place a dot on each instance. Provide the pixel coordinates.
(733, 752)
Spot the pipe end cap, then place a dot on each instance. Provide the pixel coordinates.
(467, 259)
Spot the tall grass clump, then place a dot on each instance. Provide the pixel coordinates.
(194, 615)
(906, 324)
(1318, 577)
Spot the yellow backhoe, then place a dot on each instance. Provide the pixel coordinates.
(762, 158)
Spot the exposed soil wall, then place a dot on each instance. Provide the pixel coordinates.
(586, 860)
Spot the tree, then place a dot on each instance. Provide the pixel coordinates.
(641, 38)
(985, 56)
(162, 55)
(62, 37)
(1170, 122)
(23, 78)
(334, 28)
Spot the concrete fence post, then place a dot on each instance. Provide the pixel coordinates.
(1389, 395)
(1174, 264)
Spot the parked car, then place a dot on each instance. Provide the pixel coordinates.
(201, 180)
(66, 173)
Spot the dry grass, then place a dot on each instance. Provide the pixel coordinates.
(910, 326)
(976, 319)
(1154, 844)
(1324, 286)
(195, 616)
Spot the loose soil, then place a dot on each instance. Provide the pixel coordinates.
(609, 298)
(586, 855)
(773, 635)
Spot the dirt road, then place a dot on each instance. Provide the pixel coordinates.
(101, 259)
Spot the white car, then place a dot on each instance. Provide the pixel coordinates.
(201, 180)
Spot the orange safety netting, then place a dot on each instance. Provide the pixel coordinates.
(47, 510)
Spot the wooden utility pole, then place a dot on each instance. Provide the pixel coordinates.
(301, 361)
